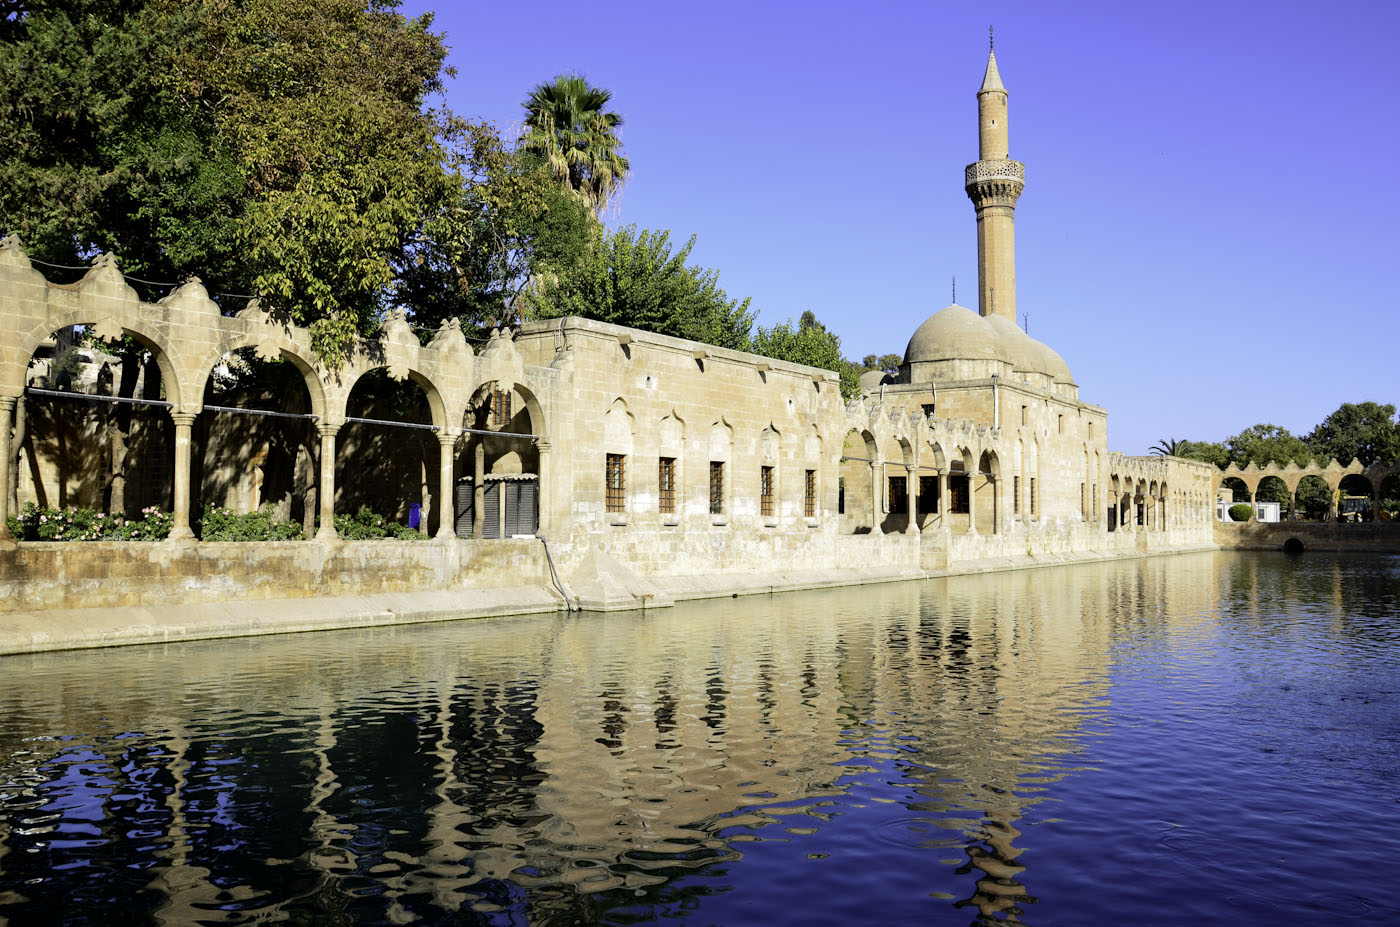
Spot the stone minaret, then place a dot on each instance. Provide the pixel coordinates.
(993, 184)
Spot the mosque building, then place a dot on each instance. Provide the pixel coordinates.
(656, 468)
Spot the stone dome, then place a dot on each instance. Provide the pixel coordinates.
(1051, 362)
(1019, 347)
(955, 333)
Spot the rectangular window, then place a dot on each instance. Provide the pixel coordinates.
(500, 408)
(1091, 431)
(928, 495)
(899, 495)
(1030, 499)
(928, 409)
(1016, 495)
(840, 495)
(617, 483)
(1023, 415)
(1060, 421)
(1094, 495)
(809, 495)
(716, 487)
(765, 491)
(1082, 509)
(666, 484)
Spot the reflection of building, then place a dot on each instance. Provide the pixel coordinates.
(642, 457)
(427, 768)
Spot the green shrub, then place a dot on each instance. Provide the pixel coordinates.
(1241, 511)
(80, 524)
(221, 524)
(364, 525)
(16, 528)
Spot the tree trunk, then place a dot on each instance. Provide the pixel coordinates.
(119, 432)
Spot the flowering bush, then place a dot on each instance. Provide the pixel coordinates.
(221, 524)
(80, 524)
(364, 525)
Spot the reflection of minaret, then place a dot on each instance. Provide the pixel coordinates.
(993, 183)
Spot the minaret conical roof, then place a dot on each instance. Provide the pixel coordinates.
(992, 79)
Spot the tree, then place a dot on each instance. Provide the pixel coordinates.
(1171, 447)
(278, 147)
(510, 223)
(567, 124)
(630, 277)
(1365, 431)
(1264, 443)
(808, 343)
(889, 363)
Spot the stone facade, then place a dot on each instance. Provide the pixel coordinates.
(663, 467)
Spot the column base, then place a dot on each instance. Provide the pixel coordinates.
(326, 533)
(181, 535)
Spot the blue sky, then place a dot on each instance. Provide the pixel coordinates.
(1208, 232)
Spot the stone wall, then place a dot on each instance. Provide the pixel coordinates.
(37, 576)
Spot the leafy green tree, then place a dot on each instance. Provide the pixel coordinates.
(1265, 443)
(567, 123)
(631, 277)
(106, 149)
(1366, 431)
(808, 343)
(1212, 452)
(510, 225)
(278, 147)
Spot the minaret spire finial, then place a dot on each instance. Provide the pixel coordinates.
(991, 38)
(955, 289)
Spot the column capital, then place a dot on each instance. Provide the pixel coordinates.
(327, 430)
(183, 418)
(446, 439)
(8, 402)
(543, 446)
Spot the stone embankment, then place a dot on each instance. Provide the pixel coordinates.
(60, 596)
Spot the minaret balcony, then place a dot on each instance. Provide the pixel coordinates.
(994, 170)
(995, 183)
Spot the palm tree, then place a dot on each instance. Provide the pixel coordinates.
(1172, 447)
(567, 125)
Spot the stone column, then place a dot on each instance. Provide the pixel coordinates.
(1375, 502)
(913, 477)
(447, 503)
(1251, 506)
(543, 498)
(943, 499)
(184, 427)
(7, 409)
(1293, 505)
(972, 502)
(876, 469)
(479, 489)
(327, 489)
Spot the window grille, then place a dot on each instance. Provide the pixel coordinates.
(899, 495)
(1030, 500)
(765, 491)
(716, 487)
(617, 483)
(1016, 495)
(666, 484)
(809, 495)
(928, 495)
(500, 408)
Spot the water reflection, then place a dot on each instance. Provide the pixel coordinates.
(936, 752)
